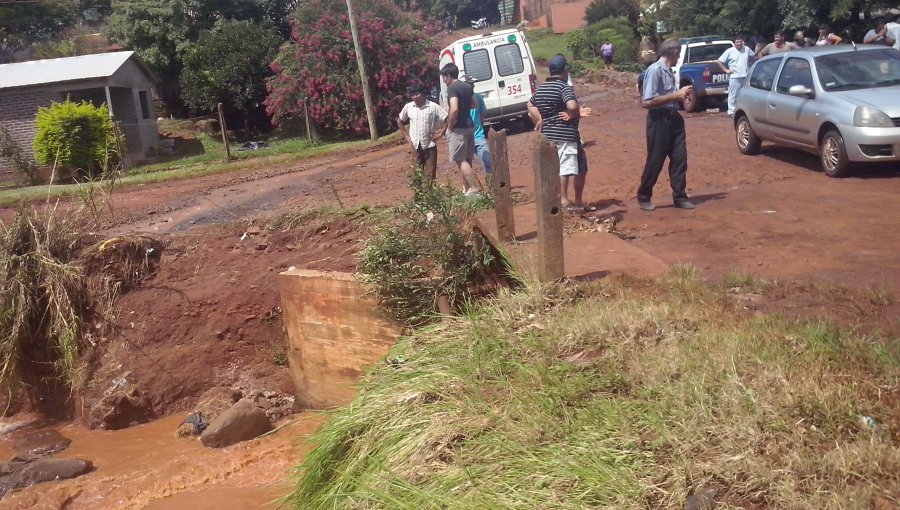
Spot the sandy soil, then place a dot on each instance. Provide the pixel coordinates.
(211, 317)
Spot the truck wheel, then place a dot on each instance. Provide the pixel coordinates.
(691, 102)
(834, 155)
(747, 141)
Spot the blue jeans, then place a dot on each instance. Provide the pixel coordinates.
(484, 154)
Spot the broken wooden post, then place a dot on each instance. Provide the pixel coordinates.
(548, 197)
(503, 206)
(224, 134)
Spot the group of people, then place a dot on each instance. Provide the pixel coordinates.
(735, 61)
(462, 125)
(555, 111)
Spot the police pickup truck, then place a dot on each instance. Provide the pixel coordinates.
(697, 66)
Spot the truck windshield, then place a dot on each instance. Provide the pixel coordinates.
(705, 53)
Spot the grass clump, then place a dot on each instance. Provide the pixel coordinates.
(626, 394)
(55, 280)
(424, 251)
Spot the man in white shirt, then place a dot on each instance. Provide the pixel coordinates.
(735, 62)
(426, 124)
(893, 28)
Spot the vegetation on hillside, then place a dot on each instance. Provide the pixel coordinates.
(622, 394)
(318, 67)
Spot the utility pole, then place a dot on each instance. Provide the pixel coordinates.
(367, 96)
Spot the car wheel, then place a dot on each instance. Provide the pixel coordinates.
(691, 102)
(747, 141)
(834, 155)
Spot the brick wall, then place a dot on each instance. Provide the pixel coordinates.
(17, 111)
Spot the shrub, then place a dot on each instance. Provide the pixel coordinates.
(76, 136)
(318, 66)
(619, 32)
(599, 10)
(424, 252)
(576, 42)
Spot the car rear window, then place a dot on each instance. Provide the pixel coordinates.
(509, 59)
(477, 64)
(705, 53)
(763, 74)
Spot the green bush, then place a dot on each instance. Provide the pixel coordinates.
(576, 42)
(76, 136)
(620, 33)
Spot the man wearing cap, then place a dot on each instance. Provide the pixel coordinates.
(426, 124)
(481, 144)
(460, 129)
(665, 129)
(555, 112)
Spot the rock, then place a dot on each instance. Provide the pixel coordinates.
(703, 499)
(120, 410)
(43, 442)
(241, 422)
(216, 400)
(45, 470)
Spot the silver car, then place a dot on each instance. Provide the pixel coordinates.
(841, 101)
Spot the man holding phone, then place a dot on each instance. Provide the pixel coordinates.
(665, 129)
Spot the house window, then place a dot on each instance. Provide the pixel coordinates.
(145, 106)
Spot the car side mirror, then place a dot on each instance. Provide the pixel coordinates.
(800, 91)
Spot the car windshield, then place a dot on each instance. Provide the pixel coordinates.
(853, 70)
(705, 53)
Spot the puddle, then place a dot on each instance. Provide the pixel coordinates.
(146, 467)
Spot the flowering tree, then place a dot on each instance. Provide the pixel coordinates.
(319, 65)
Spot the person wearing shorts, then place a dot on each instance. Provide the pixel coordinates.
(460, 129)
(555, 112)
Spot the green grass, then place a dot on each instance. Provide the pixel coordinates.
(626, 394)
(544, 44)
(210, 162)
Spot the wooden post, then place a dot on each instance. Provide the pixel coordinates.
(500, 188)
(224, 134)
(363, 77)
(306, 115)
(548, 197)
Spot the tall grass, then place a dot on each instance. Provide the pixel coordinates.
(626, 394)
(55, 281)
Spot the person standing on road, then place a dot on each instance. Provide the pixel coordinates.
(426, 125)
(460, 129)
(879, 34)
(665, 129)
(606, 51)
(482, 152)
(555, 112)
(779, 45)
(735, 61)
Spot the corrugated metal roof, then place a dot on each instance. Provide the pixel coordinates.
(56, 70)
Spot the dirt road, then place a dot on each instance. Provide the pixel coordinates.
(773, 215)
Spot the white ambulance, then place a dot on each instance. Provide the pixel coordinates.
(502, 65)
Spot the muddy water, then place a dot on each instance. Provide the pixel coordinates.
(146, 467)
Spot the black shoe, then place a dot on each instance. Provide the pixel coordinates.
(646, 206)
(684, 204)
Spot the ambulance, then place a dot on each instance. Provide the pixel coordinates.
(502, 67)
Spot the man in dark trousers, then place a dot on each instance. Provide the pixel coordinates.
(665, 129)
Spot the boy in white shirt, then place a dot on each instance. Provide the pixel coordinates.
(426, 124)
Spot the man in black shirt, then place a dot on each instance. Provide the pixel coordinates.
(460, 129)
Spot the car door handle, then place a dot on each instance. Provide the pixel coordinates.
(501, 83)
(772, 106)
